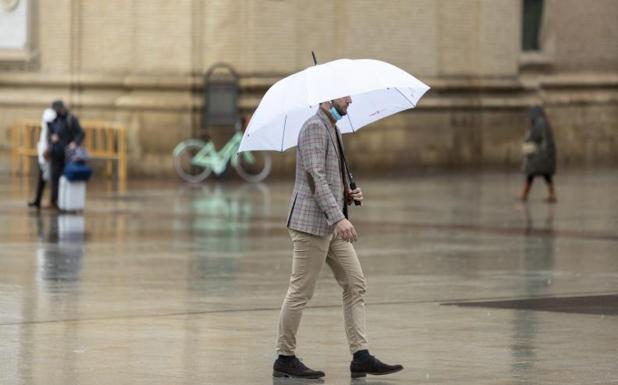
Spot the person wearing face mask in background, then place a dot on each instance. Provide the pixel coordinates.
(43, 157)
(64, 132)
(321, 232)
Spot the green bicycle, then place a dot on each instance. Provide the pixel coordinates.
(195, 159)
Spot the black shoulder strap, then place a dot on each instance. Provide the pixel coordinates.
(342, 170)
(345, 169)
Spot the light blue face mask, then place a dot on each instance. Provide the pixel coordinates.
(334, 113)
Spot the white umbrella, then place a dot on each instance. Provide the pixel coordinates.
(378, 90)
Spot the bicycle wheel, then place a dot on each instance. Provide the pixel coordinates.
(253, 166)
(183, 155)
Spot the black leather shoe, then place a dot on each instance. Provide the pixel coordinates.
(34, 204)
(372, 365)
(293, 368)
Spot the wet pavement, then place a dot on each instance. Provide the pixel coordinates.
(171, 284)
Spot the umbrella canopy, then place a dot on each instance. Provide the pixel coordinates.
(378, 89)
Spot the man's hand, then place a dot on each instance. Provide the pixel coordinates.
(55, 138)
(72, 145)
(346, 230)
(356, 195)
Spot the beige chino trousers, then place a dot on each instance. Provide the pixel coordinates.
(310, 252)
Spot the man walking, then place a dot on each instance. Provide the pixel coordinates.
(64, 131)
(321, 232)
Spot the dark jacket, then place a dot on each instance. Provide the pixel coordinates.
(543, 161)
(68, 128)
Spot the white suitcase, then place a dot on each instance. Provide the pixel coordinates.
(71, 195)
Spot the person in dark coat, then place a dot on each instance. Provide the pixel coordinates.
(64, 131)
(539, 153)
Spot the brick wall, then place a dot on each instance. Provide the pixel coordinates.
(139, 62)
(582, 35)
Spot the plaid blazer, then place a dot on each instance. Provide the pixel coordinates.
(318, 197)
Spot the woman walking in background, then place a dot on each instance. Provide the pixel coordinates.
(539, 153)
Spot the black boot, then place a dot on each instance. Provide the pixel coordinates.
(36, 202)
(292, 367)
(371, 365)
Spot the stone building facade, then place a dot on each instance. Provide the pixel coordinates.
(141, 63)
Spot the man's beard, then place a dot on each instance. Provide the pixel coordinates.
(342, 113)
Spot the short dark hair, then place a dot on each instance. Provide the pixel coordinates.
(58, 105)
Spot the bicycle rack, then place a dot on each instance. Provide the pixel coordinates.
(221, 91)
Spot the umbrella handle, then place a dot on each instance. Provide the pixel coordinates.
(353, 187)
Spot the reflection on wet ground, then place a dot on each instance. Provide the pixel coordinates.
(173, 284)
